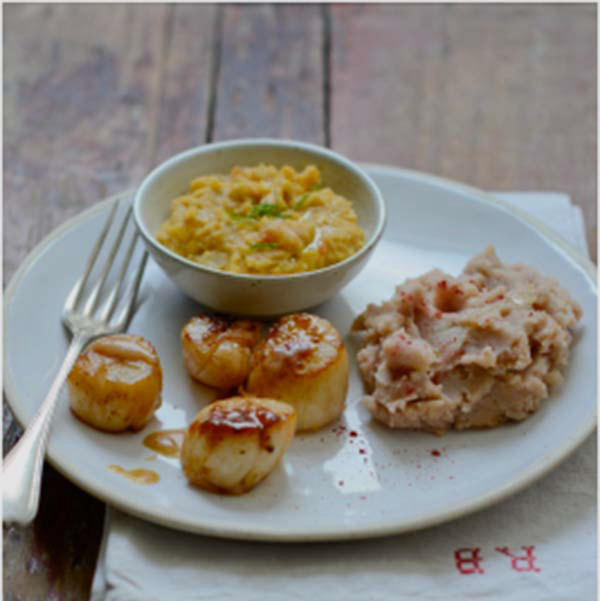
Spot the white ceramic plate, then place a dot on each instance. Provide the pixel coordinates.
(357, 479)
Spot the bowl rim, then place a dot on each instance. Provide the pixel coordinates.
(261, 142)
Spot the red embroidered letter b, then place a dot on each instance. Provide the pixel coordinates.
(521, 563)
(467, 560)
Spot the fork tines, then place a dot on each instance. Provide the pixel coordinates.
(78, 306)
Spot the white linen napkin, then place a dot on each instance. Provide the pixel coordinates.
(538, 545)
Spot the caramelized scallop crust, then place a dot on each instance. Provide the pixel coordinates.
(234, 444)
(303, 362)
(116, 383)
(217, 352)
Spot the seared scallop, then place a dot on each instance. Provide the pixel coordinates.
(303, 362)
(217, 352)
(116, 383)
(235, 443)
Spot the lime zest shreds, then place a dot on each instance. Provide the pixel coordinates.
(265, 210)
(258, 211)
(300, 202)
(264, 246)
(236, 216)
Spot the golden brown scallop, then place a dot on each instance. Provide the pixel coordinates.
(217, 352)
(303, 362)
(235, 443)
(116, 383)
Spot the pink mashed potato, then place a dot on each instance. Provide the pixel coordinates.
(468, 352)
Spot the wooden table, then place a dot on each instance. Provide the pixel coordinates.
(498, 96)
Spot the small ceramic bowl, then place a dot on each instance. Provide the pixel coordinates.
(256, 295)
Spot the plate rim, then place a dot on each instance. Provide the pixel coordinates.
(221, 530)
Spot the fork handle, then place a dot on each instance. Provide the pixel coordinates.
(22, 472)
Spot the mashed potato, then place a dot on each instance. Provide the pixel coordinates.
(262, 220)
(468, 352)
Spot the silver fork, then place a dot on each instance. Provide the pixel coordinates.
(22, 470)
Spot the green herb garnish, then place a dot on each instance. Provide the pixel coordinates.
(300, 202)
(265, 210)
(237, 217)
(264, 246)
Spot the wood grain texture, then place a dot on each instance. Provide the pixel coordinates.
(270, 80)
(82, 89)
(55, 558)
(502, 97)
(192, 34)
(499, 96)
(93, 98)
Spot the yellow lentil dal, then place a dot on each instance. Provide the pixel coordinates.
(262, 220)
